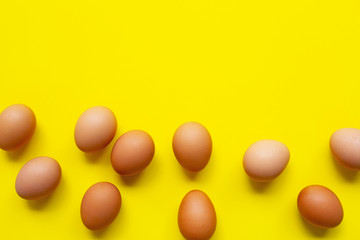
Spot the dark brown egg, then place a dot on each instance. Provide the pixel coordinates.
(132, 152)
(197, 217)
(345, 146)
(100, 205)
(95, 129)
(38, 178)
(192, 146)
(17, 126)
(320, 206)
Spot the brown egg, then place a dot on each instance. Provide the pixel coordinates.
(132, 152)
(265, 160)
(197, 217)
(345, 146)
(100, 205)
(95, 129)
(17, 125)
(38, 178)
(192, 146)
(320, 206)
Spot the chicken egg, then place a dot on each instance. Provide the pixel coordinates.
(132, 152)
(345, 147)
(265, 160)
(320, 206)
(17, 126)
(197, 217)
(100, 205)
(192, 146)
(95, 129)
(38, 178)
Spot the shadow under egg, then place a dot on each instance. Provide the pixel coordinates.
(347, 174)
(100, 233)
(191, 175)
(16, 154)
(131, 180)
(19, 152)
(315, 231)
(259, 187)
(95, 156)
(39, 204)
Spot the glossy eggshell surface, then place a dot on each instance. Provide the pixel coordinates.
(95, 129)
(38, 178)
(345, 147)
(192, 146)
(100, 205)
(132, 152)
(197, 217)
(265, 160)
(320, 206)
(17, 126)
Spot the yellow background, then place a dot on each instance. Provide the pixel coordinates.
(247, 70)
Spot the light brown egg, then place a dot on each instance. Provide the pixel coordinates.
(320, 206)
(345, 147)
(197, 217)
(100, 205)
(17, 126)
(265, 160)
(95, 129)
(38, 178)
(132, 152)
(192, 146)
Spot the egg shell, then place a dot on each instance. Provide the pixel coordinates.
(17, 126)
(192, 146)
(95, 129)
(197, 217)
(320, 206)
(266, 159)
(132, 152)
(100, 205)
(38, 178)
(345, 147)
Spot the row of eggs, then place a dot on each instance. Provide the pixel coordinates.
(192, 145)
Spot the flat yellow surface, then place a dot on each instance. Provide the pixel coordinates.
(247, 70)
